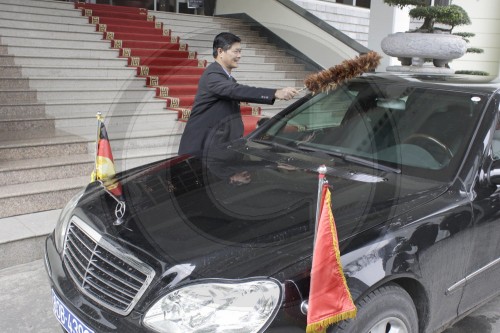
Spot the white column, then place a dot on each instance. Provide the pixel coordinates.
(384, 20)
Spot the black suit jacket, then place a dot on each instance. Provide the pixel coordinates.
(215, 117)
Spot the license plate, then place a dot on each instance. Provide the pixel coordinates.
(68, 320)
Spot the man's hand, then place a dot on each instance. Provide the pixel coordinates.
(286, 93)
(240, 178)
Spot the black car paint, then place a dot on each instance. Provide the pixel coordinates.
(399, 229)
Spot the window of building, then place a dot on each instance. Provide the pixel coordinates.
(439, 2)
(357, 3)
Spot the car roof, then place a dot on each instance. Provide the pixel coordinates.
(472, 83)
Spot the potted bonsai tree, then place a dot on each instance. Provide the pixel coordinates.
(428, 42)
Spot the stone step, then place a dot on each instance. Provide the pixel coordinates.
(201, 35)
(44, 94)
(68, 72)
(20, 41)
(11, 71)
(42, 169)
(196, 44)
(7, 96)
(8, 14)
(61, 109)
(25, 123)
(40, 143)
(7, 60)
(37, 144)
(205, 50)
(75, 82)
(41, 3)
(49, 34)
(251, 56)
(126, 128)
(19, 110)
(41, 8)
(38, 196)
(192, 20)
(52, 51)
(102, 94)
(268, 67)
(180, 27)
(54, 61)
(68, 108)
(121, 121)
(14, 83)
(70, 121)
(78, 25)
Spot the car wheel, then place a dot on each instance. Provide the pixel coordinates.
(388, 309)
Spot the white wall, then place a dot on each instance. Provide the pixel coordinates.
(384, 20)
(485, 17)
(352, 21)
(291, 27)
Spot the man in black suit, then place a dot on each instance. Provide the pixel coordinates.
(215, 118)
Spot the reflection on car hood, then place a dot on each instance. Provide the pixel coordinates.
(184, 211)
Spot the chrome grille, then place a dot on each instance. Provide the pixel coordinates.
(103, 271)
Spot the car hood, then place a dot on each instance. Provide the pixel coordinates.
(183, 215)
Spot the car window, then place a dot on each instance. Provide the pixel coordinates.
(403, 126)
(496, 135)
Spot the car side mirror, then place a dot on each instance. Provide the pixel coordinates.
(494, 173)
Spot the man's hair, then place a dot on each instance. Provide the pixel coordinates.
(224, 40)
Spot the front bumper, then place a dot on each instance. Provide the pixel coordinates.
(102, 320)
(93, 315)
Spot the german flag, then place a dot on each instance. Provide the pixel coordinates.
(104, 164)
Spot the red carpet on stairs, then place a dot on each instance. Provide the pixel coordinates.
(125, 22)
(165, 61)
(166, 64)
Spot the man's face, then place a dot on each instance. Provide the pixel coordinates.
(229, 59)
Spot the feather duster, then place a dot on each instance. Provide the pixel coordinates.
(330, 78)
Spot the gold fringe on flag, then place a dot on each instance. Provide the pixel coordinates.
(320, 327)
(330, 78)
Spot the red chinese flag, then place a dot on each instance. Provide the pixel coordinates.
(104, 164)
(329, 298)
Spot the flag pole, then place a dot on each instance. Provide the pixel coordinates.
(329, 300)
(321, 181)
(99, 120)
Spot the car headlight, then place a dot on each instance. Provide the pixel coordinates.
(64, 218)
(217, 306)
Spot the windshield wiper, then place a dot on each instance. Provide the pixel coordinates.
(275, 144)
(328, 152)
(350, 158)
(371, 164)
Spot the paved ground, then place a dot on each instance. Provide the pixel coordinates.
(25, 305)
(25, 301)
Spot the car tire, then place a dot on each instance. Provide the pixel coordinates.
(388, 309)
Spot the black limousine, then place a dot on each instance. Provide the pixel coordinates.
(413, 166)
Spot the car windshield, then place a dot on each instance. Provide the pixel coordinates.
(393, 126)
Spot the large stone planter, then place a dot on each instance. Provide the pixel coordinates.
(413, 48)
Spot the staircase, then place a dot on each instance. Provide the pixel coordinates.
(58, 68)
